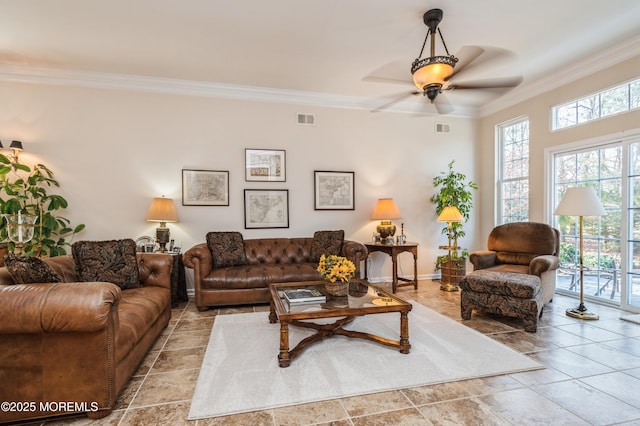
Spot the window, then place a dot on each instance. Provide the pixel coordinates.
(513, 174)
(612, 101)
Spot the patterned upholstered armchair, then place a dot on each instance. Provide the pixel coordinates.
(523, 247)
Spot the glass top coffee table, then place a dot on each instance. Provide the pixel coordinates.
(362, 299)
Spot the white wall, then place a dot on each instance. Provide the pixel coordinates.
(114, 150)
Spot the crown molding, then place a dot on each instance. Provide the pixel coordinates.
(139, 83)
(614, 55)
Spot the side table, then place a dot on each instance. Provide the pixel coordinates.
(178, 280)
(394, 250)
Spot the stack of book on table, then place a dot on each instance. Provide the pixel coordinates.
(303, 296)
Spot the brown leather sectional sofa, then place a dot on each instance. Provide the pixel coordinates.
(268, 260)
(72, 346)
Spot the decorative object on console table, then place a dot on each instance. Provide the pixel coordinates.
(162, 210)
(394, 250)
(337, 271)
(454, 268)
(384, 211)
(581, 201)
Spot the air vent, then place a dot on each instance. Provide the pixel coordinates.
(442, 128)
(306, 119)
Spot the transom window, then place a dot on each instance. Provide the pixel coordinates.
(615, 100)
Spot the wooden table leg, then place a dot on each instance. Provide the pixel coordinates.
(394, 274)
(405, 346)
(273, 318)
(415, 271)
(283, 357)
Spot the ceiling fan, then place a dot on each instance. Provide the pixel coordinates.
(434, 74)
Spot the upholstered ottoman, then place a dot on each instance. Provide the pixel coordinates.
(502, 293)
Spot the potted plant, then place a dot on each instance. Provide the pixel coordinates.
(453, 189)
(25, 191)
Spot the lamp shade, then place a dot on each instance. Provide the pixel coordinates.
(16, 145)
(450, 214)
(580, 201)
(386, 209)
(162, 210)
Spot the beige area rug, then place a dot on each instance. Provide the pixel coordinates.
(240, 370)
(635, 318)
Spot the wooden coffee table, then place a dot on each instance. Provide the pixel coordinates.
(363, 299)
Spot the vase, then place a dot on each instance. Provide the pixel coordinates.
(20, 228)
(338, 288)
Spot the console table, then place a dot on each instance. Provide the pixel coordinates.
(394, 250)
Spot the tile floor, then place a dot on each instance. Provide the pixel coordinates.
(592, 377)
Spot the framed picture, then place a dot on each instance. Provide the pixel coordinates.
(333, 190)
(265, 208)
(265, 165)
(205, 188)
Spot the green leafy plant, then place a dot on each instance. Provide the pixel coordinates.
(25, 190)
(453, 189)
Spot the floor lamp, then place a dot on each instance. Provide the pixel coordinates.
(581, 202)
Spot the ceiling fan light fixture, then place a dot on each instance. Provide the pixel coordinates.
(431, 73)
(433, 70)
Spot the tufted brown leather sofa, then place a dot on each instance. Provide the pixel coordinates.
(72, 347)
(269, 260)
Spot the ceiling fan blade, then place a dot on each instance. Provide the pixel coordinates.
(396, 72)
(394, 101)
(474, 57)
(493, 83)
(443, 106)
(466, 56)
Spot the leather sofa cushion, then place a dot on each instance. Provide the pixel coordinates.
(112, 261)
(227, 249)
(521, 286)
(137, 310)
(327, 243)
(28, 270)
(259, 276)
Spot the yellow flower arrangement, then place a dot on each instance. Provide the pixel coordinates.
(336, 268)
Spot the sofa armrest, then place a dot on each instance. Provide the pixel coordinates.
(199, 257)
(155, 269)
(355, 252)
(482, 259)
(61, 307)
(543, 263)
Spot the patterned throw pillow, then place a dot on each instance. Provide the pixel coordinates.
(30, 270)
(327, 243)
(111, 261)
(227, 249)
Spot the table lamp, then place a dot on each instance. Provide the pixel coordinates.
(384, 211)
(581, 201)
(162, 210)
